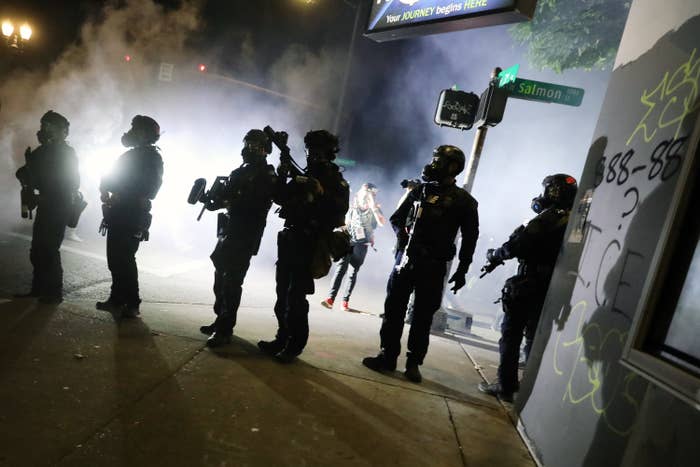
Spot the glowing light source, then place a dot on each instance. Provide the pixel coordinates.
(202, 67)
(127, 58)
(25, 32)
(7, 28)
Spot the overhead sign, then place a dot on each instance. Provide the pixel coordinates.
(456, 109)
(397, 19)
(544, 92)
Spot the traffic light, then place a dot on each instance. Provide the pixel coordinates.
(492, 105)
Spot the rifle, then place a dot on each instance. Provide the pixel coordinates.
(28, 199)
(490, 266)
(288, 166)
(211, 199)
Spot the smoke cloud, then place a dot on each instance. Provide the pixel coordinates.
(204, 116)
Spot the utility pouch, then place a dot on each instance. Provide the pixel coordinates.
(142, 233)
(78, 205)
(518, 293)
(222, 221)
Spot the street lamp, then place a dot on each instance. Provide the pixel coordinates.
(7, 28)
(16, 37)
(25, 32)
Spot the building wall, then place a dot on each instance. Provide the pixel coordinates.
(577, 404)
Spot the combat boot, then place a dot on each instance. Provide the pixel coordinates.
(108, 305)
(286, 357)
(218, 339)
(270, 348)
(208, 329)
(412, 372)
(380, 363)
(496, 390)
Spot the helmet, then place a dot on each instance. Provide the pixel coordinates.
(452, 154)
(144, 131)
(55, 119)
(443, 164)
(259, 138)
(54, 126)
(150, 127)
(321, 142)
(559, 190)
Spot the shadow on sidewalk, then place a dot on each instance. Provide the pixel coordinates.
(368, 425)
(21, 321)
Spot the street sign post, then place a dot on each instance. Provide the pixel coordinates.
(532, 90)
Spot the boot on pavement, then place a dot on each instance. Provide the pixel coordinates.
(218, 339)
(380, 363)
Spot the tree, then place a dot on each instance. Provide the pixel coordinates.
(569, 34)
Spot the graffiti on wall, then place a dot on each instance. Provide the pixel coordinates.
(618, 237)
(608, 391)
(671, 101)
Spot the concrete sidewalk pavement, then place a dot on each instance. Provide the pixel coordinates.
(79, 388)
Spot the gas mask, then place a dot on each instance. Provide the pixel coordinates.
(43, 136)
(129, 140)
(315, 157)
(436, 171)
(252, 152)
(48, 134)
(540, 203)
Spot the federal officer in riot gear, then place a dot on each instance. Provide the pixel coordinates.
(52, 171)
(313, 203)
(247, 197)
(536, 246)
(426, 224)
(126, 194)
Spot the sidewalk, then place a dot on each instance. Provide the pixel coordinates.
(80, 389)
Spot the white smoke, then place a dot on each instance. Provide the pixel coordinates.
(203, 116)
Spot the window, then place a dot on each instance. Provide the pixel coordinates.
(664, 343)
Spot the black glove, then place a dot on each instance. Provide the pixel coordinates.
(494, 258)
(458, 278)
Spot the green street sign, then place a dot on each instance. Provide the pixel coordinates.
(532, 90)
(508, 75)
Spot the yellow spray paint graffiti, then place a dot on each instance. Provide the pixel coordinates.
(676, 97)
(588, 361)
